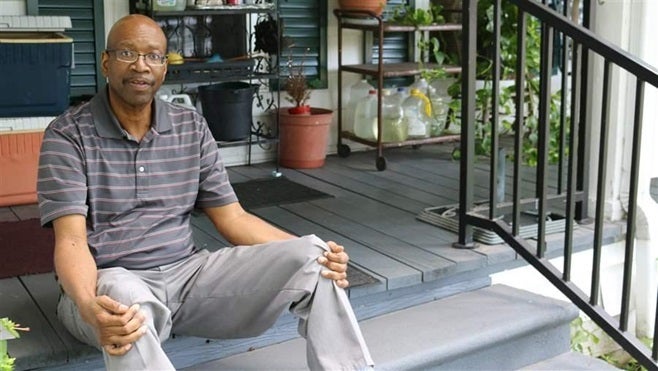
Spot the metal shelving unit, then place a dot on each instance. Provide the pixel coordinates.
(242, 63)
(372, 23)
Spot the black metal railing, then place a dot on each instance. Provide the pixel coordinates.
(571, 127)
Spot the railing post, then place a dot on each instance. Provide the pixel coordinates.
(467, 140)
(582, 180)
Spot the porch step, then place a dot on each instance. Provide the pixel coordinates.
(497, 327)
(571, 361)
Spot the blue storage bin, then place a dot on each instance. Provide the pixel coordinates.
(35, 69)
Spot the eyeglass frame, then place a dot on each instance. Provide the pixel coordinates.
(163, 58)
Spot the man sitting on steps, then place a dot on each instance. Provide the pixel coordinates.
(118, 179)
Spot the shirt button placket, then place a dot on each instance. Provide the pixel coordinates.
(142, 181)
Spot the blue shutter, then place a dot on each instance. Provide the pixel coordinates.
(305, 25)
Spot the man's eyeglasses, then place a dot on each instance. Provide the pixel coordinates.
(131, 56)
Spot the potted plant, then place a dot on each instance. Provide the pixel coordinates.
(375, 6)
(303, 130)
(297, 90)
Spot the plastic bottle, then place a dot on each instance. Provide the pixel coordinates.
(420, 84)
(351, 95)
(358, 90)
(401, 93)
(417, 113)
(394, 128)
(439, 114)
(365, 116)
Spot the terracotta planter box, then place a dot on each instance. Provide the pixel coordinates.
(19, 161)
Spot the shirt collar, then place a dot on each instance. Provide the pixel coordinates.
(107, 124)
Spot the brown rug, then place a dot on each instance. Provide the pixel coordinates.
(25, 248)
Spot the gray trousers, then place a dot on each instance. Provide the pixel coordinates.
(232, 293)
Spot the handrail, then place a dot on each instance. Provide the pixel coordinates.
(583, 42)
(586, 37)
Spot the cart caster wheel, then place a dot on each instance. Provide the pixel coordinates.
(344, 150)
(416, 146)
(381, 163)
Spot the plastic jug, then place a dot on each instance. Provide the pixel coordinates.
(401, 94)
(439, 115)
(420, 84)
(417, 113)
(365, 116)
(394, 128)
(357, 91)
(351, 96)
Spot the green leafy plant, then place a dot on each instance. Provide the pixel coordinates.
(8, 330)
(410, 16)
(586, 341)
(531, 89)
(581, 337)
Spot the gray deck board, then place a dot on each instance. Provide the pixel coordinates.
(6, 215)
(370, 185)
(25, 212)
(391, 273)
(17, 304)
(430, 264)
(45, 292)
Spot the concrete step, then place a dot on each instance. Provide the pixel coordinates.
(571, 361)
(495, 328)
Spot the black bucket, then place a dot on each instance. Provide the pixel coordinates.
(227, 107)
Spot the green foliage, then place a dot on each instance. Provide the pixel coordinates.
(582, 337)
(508, 40)
(408, 15)
(6, 362)
(531, 90)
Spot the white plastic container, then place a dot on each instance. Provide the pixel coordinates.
(358, 91)
(168, 5)
(350, 97)
(420, 84)
(394, 128)
(417, 113)
(365, 116)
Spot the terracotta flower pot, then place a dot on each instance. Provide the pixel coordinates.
(376, 6)
(300, 110)
(303, 139)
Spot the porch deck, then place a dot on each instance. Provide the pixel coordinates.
(372, 213)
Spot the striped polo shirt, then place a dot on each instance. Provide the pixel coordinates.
(137, 196)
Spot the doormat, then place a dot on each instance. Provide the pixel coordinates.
(25, 248)
(447, 217)
(274, 191)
